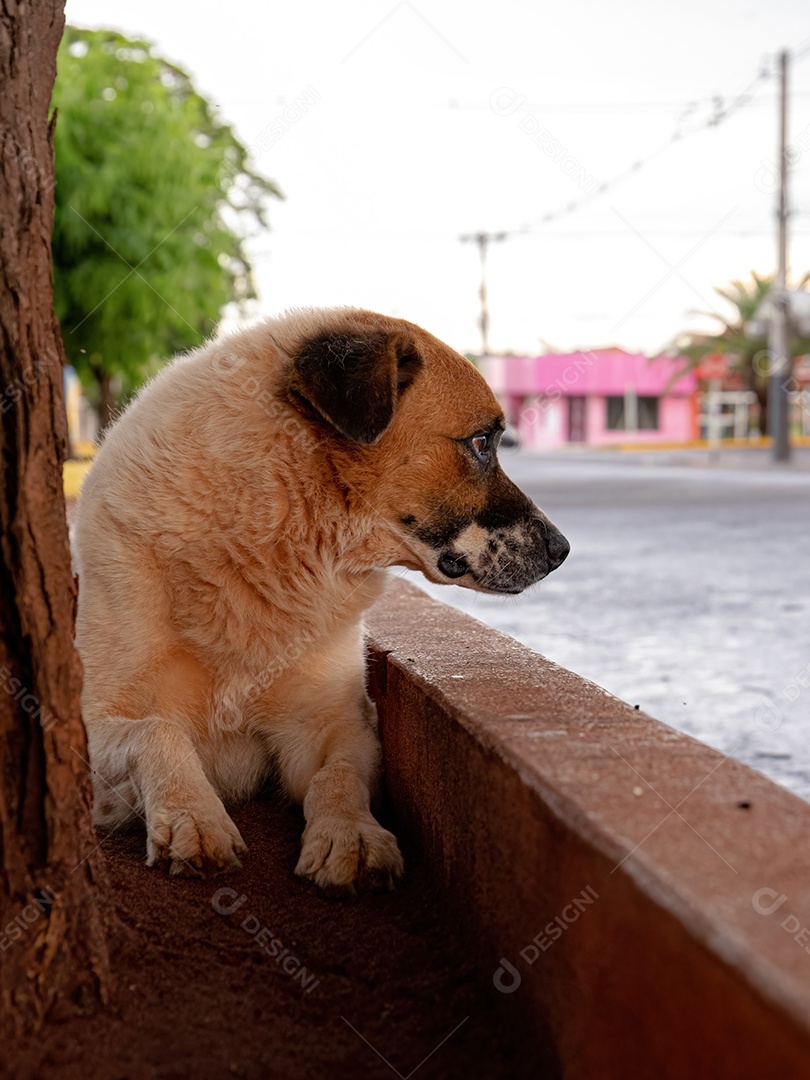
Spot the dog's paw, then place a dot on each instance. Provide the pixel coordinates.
(340, 855)
(195, 842)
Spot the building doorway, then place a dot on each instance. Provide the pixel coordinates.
(576, 418)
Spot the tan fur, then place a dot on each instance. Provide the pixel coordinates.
(228, 542)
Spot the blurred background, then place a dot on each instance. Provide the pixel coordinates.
(581, 198)
(395, 129)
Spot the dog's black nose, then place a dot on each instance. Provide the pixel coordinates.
(557, 547)
(453, 566)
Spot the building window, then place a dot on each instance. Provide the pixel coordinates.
(647, 414)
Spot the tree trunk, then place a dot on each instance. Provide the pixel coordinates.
(51, 943)
(106, 402)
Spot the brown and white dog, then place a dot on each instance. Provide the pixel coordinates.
(236, 524)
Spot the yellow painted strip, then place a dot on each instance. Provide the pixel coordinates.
(761, 443)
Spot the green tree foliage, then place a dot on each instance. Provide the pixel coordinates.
(732, 340)
(154, 198)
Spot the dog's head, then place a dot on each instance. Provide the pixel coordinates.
(413, 430)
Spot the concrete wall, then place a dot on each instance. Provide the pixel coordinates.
(534, 393)
(675, 420)
(642, 902)
(601, 372)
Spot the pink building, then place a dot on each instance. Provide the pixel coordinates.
(596, 397)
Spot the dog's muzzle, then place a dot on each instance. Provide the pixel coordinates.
(510, 558)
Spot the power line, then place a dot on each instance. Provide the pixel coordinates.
(596, 234)
(385, 236)
(549, 107)
(722, 109)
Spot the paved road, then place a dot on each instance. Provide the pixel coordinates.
(687, 592)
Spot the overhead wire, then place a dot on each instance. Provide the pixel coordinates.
(721, 108)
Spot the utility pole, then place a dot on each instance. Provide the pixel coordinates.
(483, 240)
(781, 366)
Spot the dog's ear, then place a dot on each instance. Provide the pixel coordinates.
(354, 380)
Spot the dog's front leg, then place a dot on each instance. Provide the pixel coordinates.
(149, 768)
(343, 845)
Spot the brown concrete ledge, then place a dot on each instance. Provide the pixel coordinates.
(642, 902)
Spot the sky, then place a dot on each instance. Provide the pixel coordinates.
(395, 128)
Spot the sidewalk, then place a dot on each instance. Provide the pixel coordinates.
(741, 459)
(759, 458)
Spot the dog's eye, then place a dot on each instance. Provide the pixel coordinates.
(481, 446)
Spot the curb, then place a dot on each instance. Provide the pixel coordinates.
(764, 442)
(640, 900)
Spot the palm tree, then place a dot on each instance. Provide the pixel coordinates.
(745, 354)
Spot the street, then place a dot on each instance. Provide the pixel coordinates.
(687, 592)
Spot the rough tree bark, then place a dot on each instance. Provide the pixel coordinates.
(51, 942)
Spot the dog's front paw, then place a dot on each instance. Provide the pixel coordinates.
(340, 854)
(193, 842)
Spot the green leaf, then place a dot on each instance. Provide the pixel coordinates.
(155, 196)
